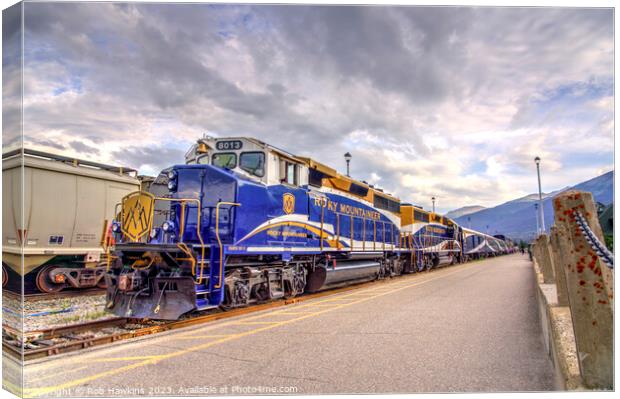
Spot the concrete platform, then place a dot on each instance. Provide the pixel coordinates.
(465, 328)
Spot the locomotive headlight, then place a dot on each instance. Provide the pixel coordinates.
(116, 227)
(168, 226)
(172, 180)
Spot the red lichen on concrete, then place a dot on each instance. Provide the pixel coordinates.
(602, 302)
(581, 282)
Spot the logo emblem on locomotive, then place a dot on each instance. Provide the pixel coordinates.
(137, 214)
(288, 203)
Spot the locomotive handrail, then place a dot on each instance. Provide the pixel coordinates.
(338, 231)
(322, 221)
(383, 234)
(351, 236)
(181, 245)
(183, 202)
(219, 241)
(363, 233)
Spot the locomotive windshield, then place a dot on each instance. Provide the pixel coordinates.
(253, 163)
(226, 160)
(203, 160)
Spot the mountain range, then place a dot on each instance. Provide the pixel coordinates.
(517, 219)
(466, 210)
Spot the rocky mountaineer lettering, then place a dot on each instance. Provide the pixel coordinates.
(346, 208)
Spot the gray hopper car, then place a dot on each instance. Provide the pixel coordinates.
(56, 212)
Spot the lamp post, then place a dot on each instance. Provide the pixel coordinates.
(540, 207)
(536, 212)
(433, 199)
(347, 157)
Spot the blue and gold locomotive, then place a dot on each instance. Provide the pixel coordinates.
(245, 222)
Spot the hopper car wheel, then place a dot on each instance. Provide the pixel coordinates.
(5, 276)
(101, 284)
(45, 284)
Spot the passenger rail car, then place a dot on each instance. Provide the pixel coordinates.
(248, 222)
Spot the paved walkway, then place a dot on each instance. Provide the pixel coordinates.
(465, 328)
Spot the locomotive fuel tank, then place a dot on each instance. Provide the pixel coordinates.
(333, 273)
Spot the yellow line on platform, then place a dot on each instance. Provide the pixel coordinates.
(294, 313)
(33, 392)
(327, 305)
(202, 336)
(46, 376)
(116, 359)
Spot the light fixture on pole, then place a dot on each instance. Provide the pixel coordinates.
(347, 157)
(433, 199)
(540, 201)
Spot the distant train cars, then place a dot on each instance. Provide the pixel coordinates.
(55, 212)
(246, 222)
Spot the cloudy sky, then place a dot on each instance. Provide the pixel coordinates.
(450, 102)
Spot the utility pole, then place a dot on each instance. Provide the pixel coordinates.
(536, 212)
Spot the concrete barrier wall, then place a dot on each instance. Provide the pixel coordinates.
(558, 336)
(576, 292)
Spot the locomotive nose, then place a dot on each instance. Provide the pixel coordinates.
(137, 210)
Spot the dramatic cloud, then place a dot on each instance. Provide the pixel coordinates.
(446, 102)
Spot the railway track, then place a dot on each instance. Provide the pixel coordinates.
(55, 341)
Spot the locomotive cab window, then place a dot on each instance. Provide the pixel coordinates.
(226, 160)
(202, 160)
(253, 163)
(289, 172)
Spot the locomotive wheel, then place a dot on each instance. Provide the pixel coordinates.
(45, 284)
